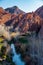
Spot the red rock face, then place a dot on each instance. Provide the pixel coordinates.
(2, 10)
(4, 16)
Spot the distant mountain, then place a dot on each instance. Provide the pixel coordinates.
(14, 10)
(39, 11)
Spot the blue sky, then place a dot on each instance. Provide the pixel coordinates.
(25, 5)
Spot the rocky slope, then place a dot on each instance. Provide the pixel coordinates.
(26, 22)
(39, 11)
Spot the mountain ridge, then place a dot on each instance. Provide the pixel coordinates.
(21, 20)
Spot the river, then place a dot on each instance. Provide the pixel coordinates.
(16, 57)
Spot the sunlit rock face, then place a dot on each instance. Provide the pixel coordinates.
(2, 10)
(4, 16)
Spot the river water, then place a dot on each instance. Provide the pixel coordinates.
(16, 57)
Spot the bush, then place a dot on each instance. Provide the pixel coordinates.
(23, 40)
